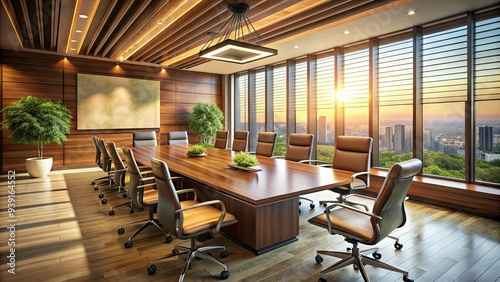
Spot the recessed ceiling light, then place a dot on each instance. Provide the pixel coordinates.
(78, 30)
(346, 32)
(411, 13)
(73, 40)
(82, 16)
(296, 47)
(73, 49)
(160, 22)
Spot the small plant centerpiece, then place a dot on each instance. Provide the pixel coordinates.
(34, 121)
(196, 150)
(245, 161)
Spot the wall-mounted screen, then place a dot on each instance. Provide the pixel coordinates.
(108, 102)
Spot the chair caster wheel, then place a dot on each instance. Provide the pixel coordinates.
(319, 259)
(224, 274)
(175, 251)
(92, 183)
(121, 230)
(111, 212)
(95, 188)
(141, 208)
(407, 279)
(131, 211)
(377, 255)
(152, 269)
(124, 196)
(128, 244)
(224, 254)
(398, 246)
(104, 201)
(322, 279)
(325, 205)
(312, 206)
(101, 195)
(168, 239)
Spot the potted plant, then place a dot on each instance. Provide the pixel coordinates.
(34, 121)
(205, 120)
(197, 150)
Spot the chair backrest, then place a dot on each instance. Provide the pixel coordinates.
(266, 142)
(106, 158)
(177, 137)
(144, 138)
(119, 176)
(134, 175)
(353, 153)
(221, 139)
(168, 201)
(240, 141)
(390, 200)
(299, 147)
(95, 143)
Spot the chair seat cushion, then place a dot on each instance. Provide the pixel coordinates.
(202, 219)
(346, 221)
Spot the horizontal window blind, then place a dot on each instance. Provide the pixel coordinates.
(241, 101)
(325, 82)
(395, 72)
(301, 86)
(487, 59)
(444, 65)
(356, 77)
(279, 88)
(260, 91)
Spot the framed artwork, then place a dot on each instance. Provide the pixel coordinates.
(108, 102)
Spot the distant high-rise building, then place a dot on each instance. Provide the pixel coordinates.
(427, 139)
(388, 138)
(485, 138)
(322, 130)
(399, 138)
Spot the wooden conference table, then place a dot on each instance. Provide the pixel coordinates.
(265, 202)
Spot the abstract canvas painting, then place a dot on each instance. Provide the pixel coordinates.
(107, 102)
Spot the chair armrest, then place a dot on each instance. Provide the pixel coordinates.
(356, 175)
(178, 178)
(214, 230)
(187, 190)
(145, 185)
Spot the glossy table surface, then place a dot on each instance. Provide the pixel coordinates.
(277, 180)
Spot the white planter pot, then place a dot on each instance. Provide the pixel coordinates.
(38, 167)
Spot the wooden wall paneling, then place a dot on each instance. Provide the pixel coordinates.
(55, 77)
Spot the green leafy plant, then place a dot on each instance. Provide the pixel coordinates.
(205, 120)
(34, 121)
(245, 159)
(197, 149)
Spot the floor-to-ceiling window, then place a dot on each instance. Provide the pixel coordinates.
(444, 93)
(487, 97)
(241, 102)
(279, 107)
(355, 91)
(325, 104)
(434, 91)
(395, 100)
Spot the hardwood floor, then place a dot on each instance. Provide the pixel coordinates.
(64, 233)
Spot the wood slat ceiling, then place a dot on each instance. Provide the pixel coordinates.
(129, 30)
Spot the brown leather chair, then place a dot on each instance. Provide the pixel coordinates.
(266, 142)
(192, 221)
(359, 226)
(240, 141)
(352, 153)
(221, 139)
(119, 172)
(299, 147)
(177, 137)
(98, 160)
(142, 194)
(144, 138)
(116, 173)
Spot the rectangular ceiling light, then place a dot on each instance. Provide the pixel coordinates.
(237, 52)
